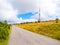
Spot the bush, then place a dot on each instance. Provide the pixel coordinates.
(4, 30)
(57, 20)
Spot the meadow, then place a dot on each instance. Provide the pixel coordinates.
(46, 28)
(4, 33)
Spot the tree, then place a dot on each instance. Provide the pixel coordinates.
(57, 20)
(5, 22)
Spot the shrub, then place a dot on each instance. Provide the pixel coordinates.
(57, 20)
(4, 30)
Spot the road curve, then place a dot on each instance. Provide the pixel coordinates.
(20, 36)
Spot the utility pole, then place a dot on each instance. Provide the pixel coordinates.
(39, 16)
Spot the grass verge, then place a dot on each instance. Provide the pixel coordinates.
(50, 29)
(5, 30)
(5, 42)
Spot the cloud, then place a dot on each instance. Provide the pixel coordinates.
(49, 9)
(24, 6)
(7, 12)
(9, 9)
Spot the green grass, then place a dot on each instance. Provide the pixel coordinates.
(5, 30)
(3, 42)
(50, 29)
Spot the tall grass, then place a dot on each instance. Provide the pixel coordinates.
(50, 29)
(4, 33)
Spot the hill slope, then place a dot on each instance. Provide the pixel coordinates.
(50, 29)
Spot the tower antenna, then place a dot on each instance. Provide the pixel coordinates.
(39, 16)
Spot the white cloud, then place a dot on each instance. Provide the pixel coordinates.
(49, 9)
(24, 5)
(9, 9)
(7, 12)
(29, 20)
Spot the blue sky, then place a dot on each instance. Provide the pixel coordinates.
(17, 11)
(27, 15)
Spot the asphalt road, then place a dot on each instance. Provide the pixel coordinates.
(20, 36)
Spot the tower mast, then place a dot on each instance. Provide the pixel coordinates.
(39, 16)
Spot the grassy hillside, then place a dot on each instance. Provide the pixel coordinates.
(4, 33)
(50, 29)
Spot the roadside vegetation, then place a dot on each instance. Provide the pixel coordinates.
(47, 28)
(4, 32)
